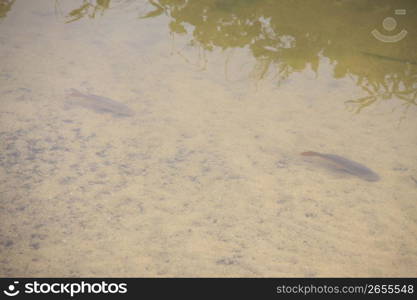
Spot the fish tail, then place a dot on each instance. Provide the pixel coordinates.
(310, 153)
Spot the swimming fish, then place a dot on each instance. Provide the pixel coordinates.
(98, 104)
(347, 165)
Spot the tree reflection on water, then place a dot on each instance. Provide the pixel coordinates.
(289, 36)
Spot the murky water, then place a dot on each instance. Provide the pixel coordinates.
(206, 177)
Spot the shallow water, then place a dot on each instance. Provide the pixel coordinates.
(205, 179)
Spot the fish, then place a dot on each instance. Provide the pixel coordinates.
(347, 165)
(98, 104)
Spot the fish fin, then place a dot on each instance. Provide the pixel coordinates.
(74, 92)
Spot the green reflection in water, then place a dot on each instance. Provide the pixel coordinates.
(5, 6)
(288, 36)
(88, 9)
